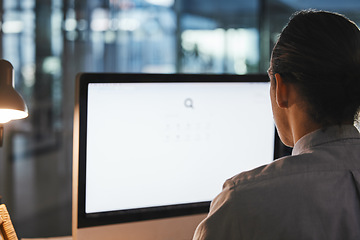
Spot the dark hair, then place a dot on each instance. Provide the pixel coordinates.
(319, 52)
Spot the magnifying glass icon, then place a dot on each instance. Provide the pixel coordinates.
(189, 103)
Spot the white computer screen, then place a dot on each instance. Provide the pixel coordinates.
(159, 144)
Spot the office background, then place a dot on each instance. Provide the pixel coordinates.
(50, 41)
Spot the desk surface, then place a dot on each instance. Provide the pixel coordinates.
(52, 238)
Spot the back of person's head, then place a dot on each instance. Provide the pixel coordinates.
(319, 52)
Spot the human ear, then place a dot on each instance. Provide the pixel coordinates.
(282, 92)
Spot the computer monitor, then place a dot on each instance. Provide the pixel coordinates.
(152, 150)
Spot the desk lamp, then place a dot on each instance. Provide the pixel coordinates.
(12, 105)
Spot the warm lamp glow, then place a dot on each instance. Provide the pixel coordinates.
(7, 115)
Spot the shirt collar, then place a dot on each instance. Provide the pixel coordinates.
(323, 136)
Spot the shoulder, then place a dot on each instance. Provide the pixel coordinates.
(281, 167)
(222, 221)
(321, 159)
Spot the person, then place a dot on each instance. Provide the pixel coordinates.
(315, 93)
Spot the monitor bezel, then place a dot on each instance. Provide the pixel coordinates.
(113, 217)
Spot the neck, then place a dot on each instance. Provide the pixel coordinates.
(300, 123)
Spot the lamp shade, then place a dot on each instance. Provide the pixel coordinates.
(12, 105)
